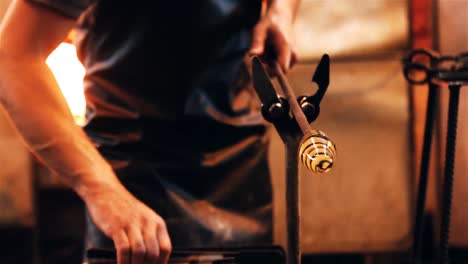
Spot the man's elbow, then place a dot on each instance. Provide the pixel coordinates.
(13, 69)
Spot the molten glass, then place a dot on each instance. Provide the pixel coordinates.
(317, 152)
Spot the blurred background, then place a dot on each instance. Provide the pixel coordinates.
(360, 212)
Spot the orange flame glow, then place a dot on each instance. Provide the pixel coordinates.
(69, 73)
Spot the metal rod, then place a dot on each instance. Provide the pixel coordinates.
(293, 202)
(296, 110)
(293, 194)
(448, 173)
(423, 174)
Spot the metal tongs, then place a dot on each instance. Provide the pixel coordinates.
(291, 117)
(276, 109)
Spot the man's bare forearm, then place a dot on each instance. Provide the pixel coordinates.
(289, 7)
(32, 99)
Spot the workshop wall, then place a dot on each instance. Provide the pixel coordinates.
(363, 28)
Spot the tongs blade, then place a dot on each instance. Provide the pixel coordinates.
(321, 78)
(262, 84)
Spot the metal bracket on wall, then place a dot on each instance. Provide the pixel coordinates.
(428, 67)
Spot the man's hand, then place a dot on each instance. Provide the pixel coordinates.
(273, 36)
(40, 114)
(139, 234)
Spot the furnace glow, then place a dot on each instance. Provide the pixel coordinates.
(69, 73)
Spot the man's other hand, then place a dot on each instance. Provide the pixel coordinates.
(273, 37)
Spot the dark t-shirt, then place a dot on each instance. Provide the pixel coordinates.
(167, 89)
(166, 80)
